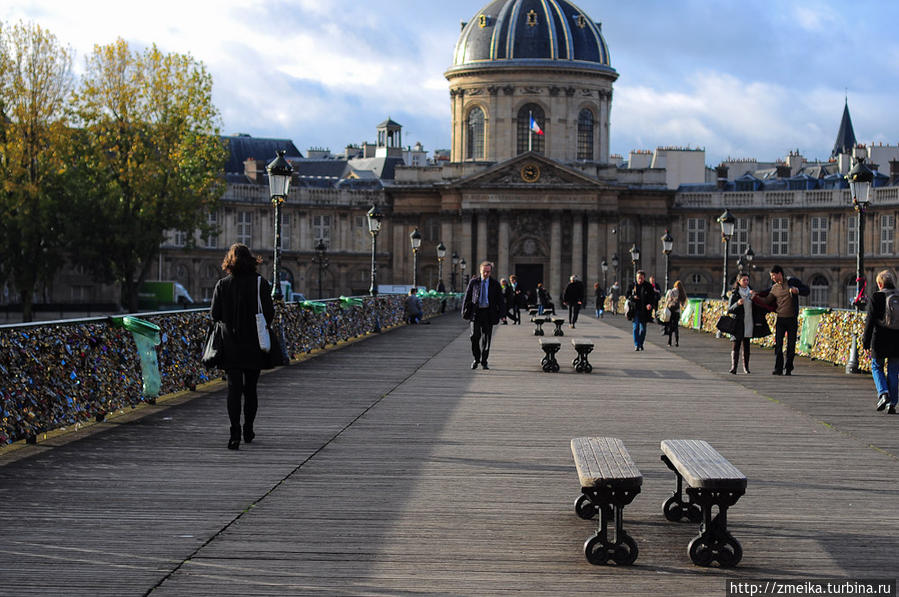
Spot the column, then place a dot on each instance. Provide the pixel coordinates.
(503, 247)
(594, 247)
(465, 246)
(577, 247)
(555, 258)
(482, 240)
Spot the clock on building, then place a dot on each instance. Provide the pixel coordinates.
(530, 172)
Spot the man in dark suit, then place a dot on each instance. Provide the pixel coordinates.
(483, 307)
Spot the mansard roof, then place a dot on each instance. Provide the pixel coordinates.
(244, 147)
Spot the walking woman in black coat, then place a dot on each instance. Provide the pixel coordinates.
(235, 303)
(750, 324)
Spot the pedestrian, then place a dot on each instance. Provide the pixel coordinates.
(235, 301)
(751, 321)
(674, 301)
(504, 284)
(882, 339)
(441, 289)
(615, 295)
(542, 299)
(644, 297)
(573, 297)
(412, 308)
(784, 295)
(599, 296)
(482, 306)
(517, 299)
(656, 288)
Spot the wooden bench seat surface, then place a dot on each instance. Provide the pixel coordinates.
(603, 459)
(550, 341)
(558, 320)
(581, 342)
(702, 466)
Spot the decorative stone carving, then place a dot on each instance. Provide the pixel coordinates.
(587, 92)
(554, 91)
(508, 90)
(570, 91)
(493, 90)
(530, 91)
(476, 91)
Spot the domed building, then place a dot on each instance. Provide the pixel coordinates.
(523, 61)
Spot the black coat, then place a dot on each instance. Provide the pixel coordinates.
(644, 294)
(882, 342)
(574, 293)
(234, 303)
(760, 327)
(495, 301)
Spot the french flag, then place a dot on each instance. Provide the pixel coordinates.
(536, 127)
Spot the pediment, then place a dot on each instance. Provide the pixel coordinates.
(529, 171)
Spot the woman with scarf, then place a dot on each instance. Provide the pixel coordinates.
(674, 300)
(751, 321)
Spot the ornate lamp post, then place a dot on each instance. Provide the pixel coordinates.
(748, 256)
(462, 266)
(455, 261)
(415, 238)
(635, 258)
(322, 260)
(860, 180)
(605, 270)
(667, 247)
(441, 255)
(615, 263)
(727, 230)
(279, 171)
(374, 227)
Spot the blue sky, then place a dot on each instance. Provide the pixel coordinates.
(742, 79)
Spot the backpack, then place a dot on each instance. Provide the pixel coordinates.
(890, 309)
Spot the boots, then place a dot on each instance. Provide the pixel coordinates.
(734, 357)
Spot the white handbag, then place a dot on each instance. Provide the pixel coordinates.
(265, 341)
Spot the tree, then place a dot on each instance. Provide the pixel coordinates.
(156, 157)
(35, 87)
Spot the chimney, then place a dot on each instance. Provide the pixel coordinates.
(783, 171)
(251, 169)
(721, 172)
(894, 171)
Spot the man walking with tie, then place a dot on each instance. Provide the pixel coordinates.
(483, 307)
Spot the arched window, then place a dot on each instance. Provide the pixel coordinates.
(476, 134)
(585, 135)
(820, 294)
(525, 136)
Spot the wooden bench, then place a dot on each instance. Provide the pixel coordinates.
(710, 481)
(538, 321)
(609, 481)
(558, 321)
(550, 347)
(583, 348)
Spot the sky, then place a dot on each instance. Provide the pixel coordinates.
(741, 79)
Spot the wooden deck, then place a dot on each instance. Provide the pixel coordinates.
(389, 467)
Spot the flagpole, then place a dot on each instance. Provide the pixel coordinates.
(530, 129)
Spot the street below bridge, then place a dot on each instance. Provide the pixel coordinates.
(389, 467)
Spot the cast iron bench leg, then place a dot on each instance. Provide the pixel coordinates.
(714, 542)
(675, 508)
(609, 503)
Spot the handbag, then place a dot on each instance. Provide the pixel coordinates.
(277, 356)
(665, 315)
(265, 340)
(213, 349)
(727, 324)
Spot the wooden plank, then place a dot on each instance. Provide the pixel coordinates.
(702, 466)
(604, 460)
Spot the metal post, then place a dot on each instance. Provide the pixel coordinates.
(852, 366)
(724, 281)
(415, 269)
(373, 290)
(667, 270)
(440, 269)
(277, 295)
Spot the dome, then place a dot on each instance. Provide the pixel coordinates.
(531, 33)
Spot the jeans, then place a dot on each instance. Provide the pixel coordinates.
(785, 326)
(639, 332)
(888, 382)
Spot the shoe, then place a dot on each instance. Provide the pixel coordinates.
(233, 444)
(745, 370)
(484, 366)
(788, 372)
(474, 364)
(248, 435)
(891, 410)
(636, 348)
(677, 343)
(777, 372)
(882, 402)
(641, 348)
(733, 371)
(572, 326)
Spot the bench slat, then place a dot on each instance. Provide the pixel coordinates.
(603, 459)
(581, 342)
(550, 341)
(702, 466)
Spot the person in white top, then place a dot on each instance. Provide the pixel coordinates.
(751, 322)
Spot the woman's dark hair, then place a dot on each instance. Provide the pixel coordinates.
(239, 260)
(738, 278)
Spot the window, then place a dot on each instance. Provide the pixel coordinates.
(321, 229)
(820, 224)
(179, 238)
(244, 227)
(528, 140)
(696, 280)
(780, 236)
(887, 234)
(820, 292)
(285, 232)
(585, 135)
(432, 229)
(81, 294)
(696, 228)
(212, 239)
(739, 242)
(852, 235)
(476, 134)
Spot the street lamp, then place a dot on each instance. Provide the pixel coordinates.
(727, 230)
(605, 270)
(667, 247)
(635, 257)
(279, 171)
(441, 254)
(462, 266)
(415, 238)
(455, 261)
(322, 260)
(615, 263)
(748, 256)
(374, 227)
(860, 179)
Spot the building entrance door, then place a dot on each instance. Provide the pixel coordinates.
(529, 274)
